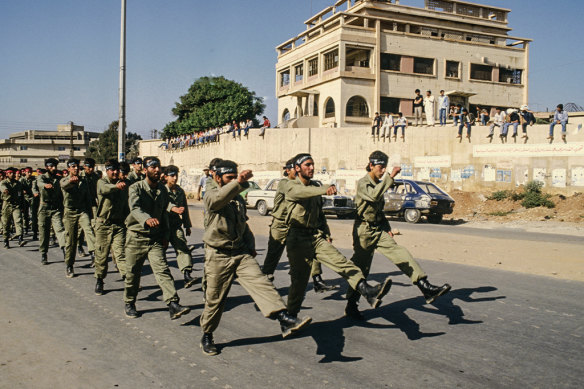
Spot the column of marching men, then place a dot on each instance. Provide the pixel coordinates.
(132, 213)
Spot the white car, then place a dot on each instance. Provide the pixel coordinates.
(263, 201)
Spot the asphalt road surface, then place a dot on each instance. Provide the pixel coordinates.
(495, 329)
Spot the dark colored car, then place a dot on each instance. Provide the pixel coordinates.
(412, 199)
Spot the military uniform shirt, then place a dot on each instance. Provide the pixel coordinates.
(177, 198)
(370, 201)
(146, 203)
(112, 203)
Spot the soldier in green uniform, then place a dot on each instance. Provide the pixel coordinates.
(178, 217)
(147, 238)
(50, 208)
(31, 198)
(371, 231)
(309, 239)
(77, 211)
(209, 185)
(91, 176)
(279, 230)
(230, 252)
(12, 203)
(110, 228)
(137, 174)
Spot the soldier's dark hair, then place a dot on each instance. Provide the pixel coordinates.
(377, 158)
(112, 164)
(137, 160)
(51, 161)
(214, 162)
(89, 162)
(171, 170)
(417, 91)
(125, 167)
(72, 161)
(148, 161)
(299, 159)
(225, 167)
(99, 173)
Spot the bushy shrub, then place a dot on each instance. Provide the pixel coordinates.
(534, 198)
(499, 195)
(516, 196)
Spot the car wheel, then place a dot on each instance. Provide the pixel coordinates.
(262, 207)
(412, 215)
(435, 218)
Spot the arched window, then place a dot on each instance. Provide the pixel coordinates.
(285, 115)
(357, 107)
(329, 108)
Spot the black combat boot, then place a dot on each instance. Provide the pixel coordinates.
(432, 292)
(81, 252)
(69, 272)
(290, 324)
(189, 280)
(99, 287)
(207, 344)
(131, 310)
(44, 260)
(92, 255)
(270, 277)
(374, 294)
(6, 244)
(176, 310)
(320, 286)
(21, 241)
(352, 308)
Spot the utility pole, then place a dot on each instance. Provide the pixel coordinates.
(122, 88)
(71, 151)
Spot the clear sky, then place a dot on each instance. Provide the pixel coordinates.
(59, 59)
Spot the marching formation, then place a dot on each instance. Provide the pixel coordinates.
(134, 216)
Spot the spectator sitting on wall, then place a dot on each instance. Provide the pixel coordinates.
(485, 116)
(264, 126)
(248, 125)
(527, 119)
(561, 118)
(467, 120)
(498, 121)
(403, 123)
(512, 119)
(376, 125)
(386, 128)
(457, 114)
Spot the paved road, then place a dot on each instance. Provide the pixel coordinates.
(495, 329)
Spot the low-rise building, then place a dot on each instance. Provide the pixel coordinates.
(356, 58)
(32, 147)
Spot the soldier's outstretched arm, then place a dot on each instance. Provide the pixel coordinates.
(104, 188)
(375, 193)
(134, 202)
(217, 199)
(297, 191)
(66, 183)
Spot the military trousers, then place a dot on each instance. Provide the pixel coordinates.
(48, 218)
(109, 237)
(73, 221)
(138, 249)
(10, 214)
(178, 241)
(31, 218)
(276, 246)
(221, 267)
(367, 239)
(81, 232)
(305, 246)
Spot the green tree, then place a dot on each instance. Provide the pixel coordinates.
(211, 102)
(106, 145)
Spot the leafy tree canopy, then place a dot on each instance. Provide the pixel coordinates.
(211, 102)
(106, 145)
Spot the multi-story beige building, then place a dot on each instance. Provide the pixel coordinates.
(32, 147)
(356, 58)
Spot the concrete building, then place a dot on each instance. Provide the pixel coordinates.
(356, 58)
(32, 147)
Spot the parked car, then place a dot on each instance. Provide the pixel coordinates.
(263, 201)
(412, 199)
(252, 186)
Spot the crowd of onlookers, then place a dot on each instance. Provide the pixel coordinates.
(212, 134)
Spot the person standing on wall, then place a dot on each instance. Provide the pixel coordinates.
(418, 107)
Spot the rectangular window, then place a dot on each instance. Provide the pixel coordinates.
(61, 148)
(510, 76)
(423, 65)
(389, 105)
(313, 67)
(452, 69)
(358, 57)
(23, 160)
(481, 72)
(285, 77)
(331, 59)
(390, 62)
(23, 148)
(298, 72)
(76, 148)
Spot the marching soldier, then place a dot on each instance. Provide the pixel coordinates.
(77, 211)
(137, 174)
(124, 171)
(279, 230)
(309, 239)
(230, 252)
(371, 231)
(91, 176)
(110, 228)
(31, 198)
(178, 217)
(50, 208)
(12, 202)
(147, 238)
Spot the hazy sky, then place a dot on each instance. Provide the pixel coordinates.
(59, 59)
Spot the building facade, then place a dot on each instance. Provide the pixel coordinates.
(356, 58)
(32, 147)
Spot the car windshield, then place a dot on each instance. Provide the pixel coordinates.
(430, 188)
(253, 185)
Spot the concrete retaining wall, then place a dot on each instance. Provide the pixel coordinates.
(428, 153)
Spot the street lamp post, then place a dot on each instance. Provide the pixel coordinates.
(122, 89)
